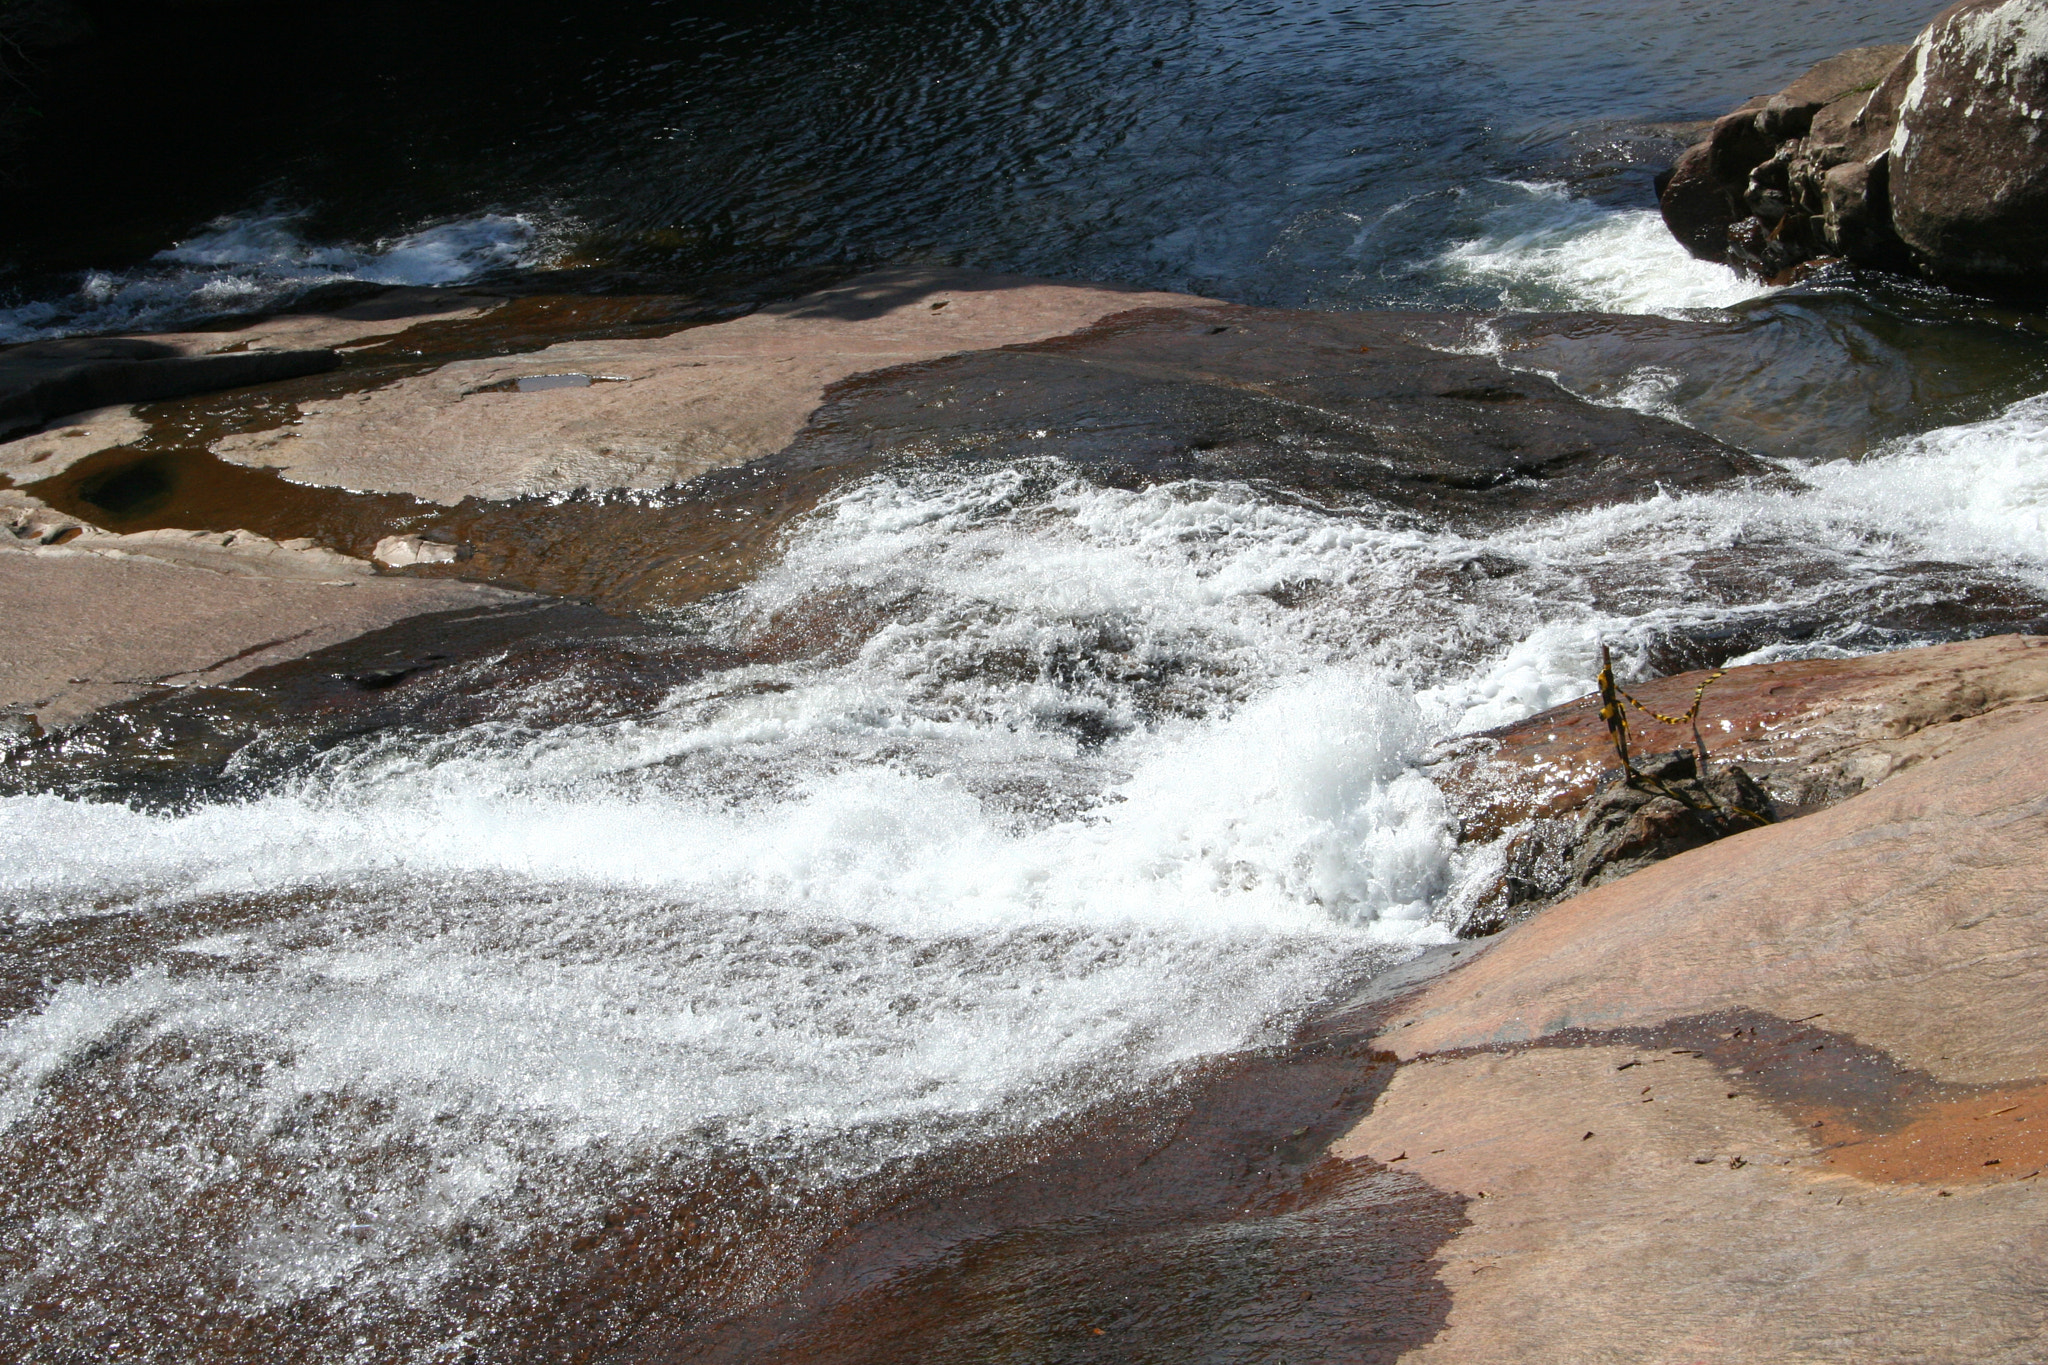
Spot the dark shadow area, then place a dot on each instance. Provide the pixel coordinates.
(1291, 154)
(1203, 1227)
(1825, 1080)
(43, 381)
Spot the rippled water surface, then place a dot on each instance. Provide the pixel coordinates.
(1289, 151)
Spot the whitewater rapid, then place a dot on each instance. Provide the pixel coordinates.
(1084, 786)
(1141, 770)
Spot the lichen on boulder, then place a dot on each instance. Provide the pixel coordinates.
(1928, 159)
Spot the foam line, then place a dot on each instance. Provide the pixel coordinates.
(247, 263)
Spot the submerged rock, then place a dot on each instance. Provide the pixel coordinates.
(1927, 158)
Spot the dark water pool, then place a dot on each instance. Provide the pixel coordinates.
(1280, 151)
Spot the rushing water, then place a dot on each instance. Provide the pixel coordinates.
(1064, 790)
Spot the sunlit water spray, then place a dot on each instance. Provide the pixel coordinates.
(1544, 248)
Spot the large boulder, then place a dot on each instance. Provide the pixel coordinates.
(1926, 158)
(1730, 196)
(1969, 162)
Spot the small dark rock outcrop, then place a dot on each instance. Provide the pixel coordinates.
(1670, 808)
(1666, 809)
(1929, 159)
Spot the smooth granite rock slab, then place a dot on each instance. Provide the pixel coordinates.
(1782, 1098)
(104, 618)
(1389, 412)
(1814, 731)
(651, 413)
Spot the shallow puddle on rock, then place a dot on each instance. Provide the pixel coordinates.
(541, 383)
(630, 550)
(130, 489)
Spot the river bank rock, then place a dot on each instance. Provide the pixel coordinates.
(1784, 1097)
(1707, 192)
(1969, 163)
(1927, 159)
(45, 382)
(94, 619)
(1812, 731)
(1809, 732)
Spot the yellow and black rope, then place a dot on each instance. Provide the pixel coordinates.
(1612, 700)
(1691, 718)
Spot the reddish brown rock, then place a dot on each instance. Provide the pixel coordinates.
(652, 412)
(1745, 167)
(1813, 731)
(100, 618)
(1778, 1098)
(1702, 196)
(1928, 159)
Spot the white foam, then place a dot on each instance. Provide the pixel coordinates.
(1547, 667)
(243, 264)
(1292, 814)
(1545, 249)
(1977, 492)
(1107, 782)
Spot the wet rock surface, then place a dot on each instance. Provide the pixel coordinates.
(1768, 376)
(654, 411)
(456, 663)
(41, 381)
(1382, 412)
(96, 618)
(1193, 1221)
(1378, 410)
